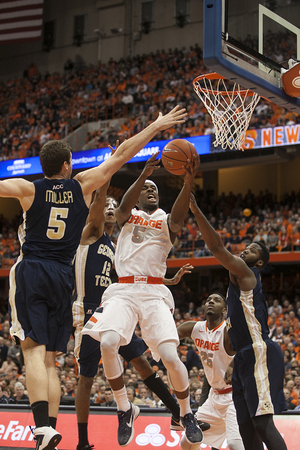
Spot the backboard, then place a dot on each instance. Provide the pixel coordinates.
(250, 42)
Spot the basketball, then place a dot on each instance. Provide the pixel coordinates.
(247, 212)
(175, 155)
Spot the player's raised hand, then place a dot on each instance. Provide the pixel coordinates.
(187, 268)
(113, 150)
(192, 168)
(175, 116)
(151, 165)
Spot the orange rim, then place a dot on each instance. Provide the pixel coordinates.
(216, 76)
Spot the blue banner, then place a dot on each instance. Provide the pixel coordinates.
(261, 138)
(20, 167)
(92, 158)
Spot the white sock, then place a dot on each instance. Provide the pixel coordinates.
(185, 406)
(121, 399)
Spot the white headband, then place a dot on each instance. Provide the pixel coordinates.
(152, 182)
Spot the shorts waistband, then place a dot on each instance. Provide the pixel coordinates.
(223, 391)
(140, 279)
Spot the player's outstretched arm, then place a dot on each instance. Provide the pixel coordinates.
(93, 178)
(215, 244)
(95, 221)
(181, 204)
(94, 226)
(19, 188)
(185, 329)
(187, 268)
(131, 196)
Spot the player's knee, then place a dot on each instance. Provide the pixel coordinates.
(235, 444)
(169, 355)
(86, 382)
(110, 341)
(170, 364)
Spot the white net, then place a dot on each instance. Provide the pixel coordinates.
(230, 107)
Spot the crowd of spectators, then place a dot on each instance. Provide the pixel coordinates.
(36, 108)
(239, 219)
(284, 323)
(9, 242)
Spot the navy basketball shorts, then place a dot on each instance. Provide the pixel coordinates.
(40, 302)
(257, 381)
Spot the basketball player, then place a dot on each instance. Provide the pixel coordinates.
(216, 354)
(140, 296)
(258, 372)
(93, 263)
(41, 282)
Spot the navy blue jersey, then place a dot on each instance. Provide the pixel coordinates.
(93, 265)
(247, 316)
(52, 226)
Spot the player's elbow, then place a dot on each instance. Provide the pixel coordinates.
(174, 225)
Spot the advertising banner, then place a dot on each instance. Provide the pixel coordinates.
(260, 138)
(272, 137)
(151, 431)
(92, 158)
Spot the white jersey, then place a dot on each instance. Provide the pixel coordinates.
(215, 360)
(143, 245)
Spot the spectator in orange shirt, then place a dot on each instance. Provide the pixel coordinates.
(192, 227)
(284, 240)
(32, 71)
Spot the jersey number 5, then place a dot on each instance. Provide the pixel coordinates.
(138, 235)
(56, 227)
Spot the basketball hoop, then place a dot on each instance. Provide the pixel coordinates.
(229, 106)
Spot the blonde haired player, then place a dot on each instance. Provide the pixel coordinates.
(216, 354)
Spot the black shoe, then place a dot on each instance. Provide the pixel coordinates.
(203, 425)
(86, 447)
(193, 432)
(176, 424)
(125, 430)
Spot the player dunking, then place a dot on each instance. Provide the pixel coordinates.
(258, 372)
(140, 296)
(93, 263)
(41, 282)
(216, 354)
